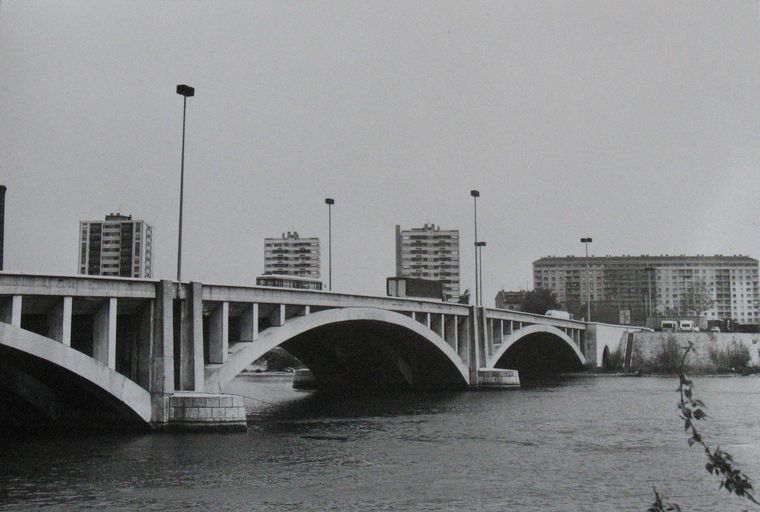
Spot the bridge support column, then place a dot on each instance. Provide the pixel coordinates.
(463, 338)
(277, 317)
(10, 311)
(436, 323)
(59, 321)
(489, 332)
(104, 334)
(450, 331)
(191, 372)
(162, 351)
(145, 345)
(249, 323)
(218, 334)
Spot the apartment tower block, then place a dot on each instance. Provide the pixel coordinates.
(118, 246)
(431, 253)
(292, 255)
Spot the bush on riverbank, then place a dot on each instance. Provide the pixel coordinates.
(615, 360)
(733, 357)
(712, 352)
(667, 359)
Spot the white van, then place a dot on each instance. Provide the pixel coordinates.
(556, 313)
(688, 326)
(669, 325)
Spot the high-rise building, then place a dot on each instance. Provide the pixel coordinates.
(655, 285)
(2, 223)
(292, 255)
(118, 246)
(429, 252)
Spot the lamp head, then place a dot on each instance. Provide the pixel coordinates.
(185, 90)
(474, 193)
(329, 201)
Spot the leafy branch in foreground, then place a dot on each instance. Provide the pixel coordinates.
(719, 462)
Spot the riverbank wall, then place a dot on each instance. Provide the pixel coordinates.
(712, 352)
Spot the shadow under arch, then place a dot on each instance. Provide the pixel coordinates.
(58, 386)
(351, 348)
(606, 357)
(537, 350)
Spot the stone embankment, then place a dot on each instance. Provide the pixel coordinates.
(712, 352)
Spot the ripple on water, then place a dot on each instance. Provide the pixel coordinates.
(574, 444)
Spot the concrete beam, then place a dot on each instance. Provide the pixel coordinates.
(104, 334)
(218, 334)
(249, 323)
(59, 320)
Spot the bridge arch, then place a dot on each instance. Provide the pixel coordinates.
(318, 339)
(69, 377)
(538, 348)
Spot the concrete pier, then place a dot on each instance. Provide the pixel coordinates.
(497, 378)
(190, 411)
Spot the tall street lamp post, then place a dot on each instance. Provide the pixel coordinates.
(329, 202)
(588, 280)
(475, 194)
(479, 247)
(186, 92)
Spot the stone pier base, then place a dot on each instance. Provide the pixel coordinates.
(205, 411)
(304, 379)
(497, 378)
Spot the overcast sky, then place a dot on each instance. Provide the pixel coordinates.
(635, 123)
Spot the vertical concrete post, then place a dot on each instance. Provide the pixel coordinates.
(463, 338)
(191, 373)
(104, 334)
(489, 337)
(199, 374)
(218, 334)
(500, 332)
(277, 317)
(162, 365)
(145, 344)
(59, 321)
(249, 323)
(450, 330)
(437, 323)
(10, 311)
(474, 342)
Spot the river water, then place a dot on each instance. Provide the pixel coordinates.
(576, 443)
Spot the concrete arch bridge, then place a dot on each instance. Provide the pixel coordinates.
(118, 351)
